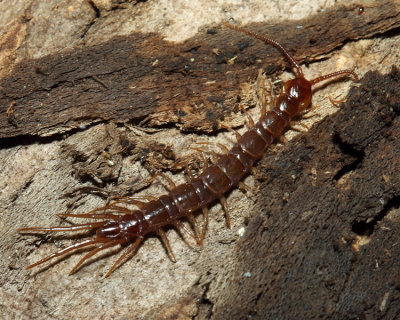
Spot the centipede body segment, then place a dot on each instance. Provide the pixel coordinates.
(117, 223)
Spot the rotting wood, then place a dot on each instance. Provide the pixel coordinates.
(327, 249)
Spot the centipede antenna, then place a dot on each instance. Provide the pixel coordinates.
(334, 74)
(272, 42)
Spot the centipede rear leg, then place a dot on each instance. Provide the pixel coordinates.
(130, 250)
(111, 210)
(94, 251)
(97, 215)
(111, 201)
(66, 251)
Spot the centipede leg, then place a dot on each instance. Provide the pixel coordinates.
(131, 249)
(171, 183)
(262, 92)
(181, 227)
(237, 134)
(220, 145)
(189, 173)
(263, 108)
(180, 164)
(306, 113)
(88, 190)
(165, 242)
(205, 224)
(250, 121)
(272, 100)
(204, 160)
(246, 188)
(148, 198)
(203, 155)
(193, 223)
(95, 251)
(336, 102)
(107, 212)
(183, 162)
(214, 155)
(301, 125)
(225, 207)
(283, 140)
(135, 200)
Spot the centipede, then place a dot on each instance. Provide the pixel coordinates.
(128, 221)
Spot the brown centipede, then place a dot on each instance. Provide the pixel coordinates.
(117, 223)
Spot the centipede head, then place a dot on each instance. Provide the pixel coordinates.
(299, 91)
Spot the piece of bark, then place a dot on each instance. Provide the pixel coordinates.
(192, 85)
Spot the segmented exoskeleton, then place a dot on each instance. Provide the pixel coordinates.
(117, 224)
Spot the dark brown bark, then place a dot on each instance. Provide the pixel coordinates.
(329, 248)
